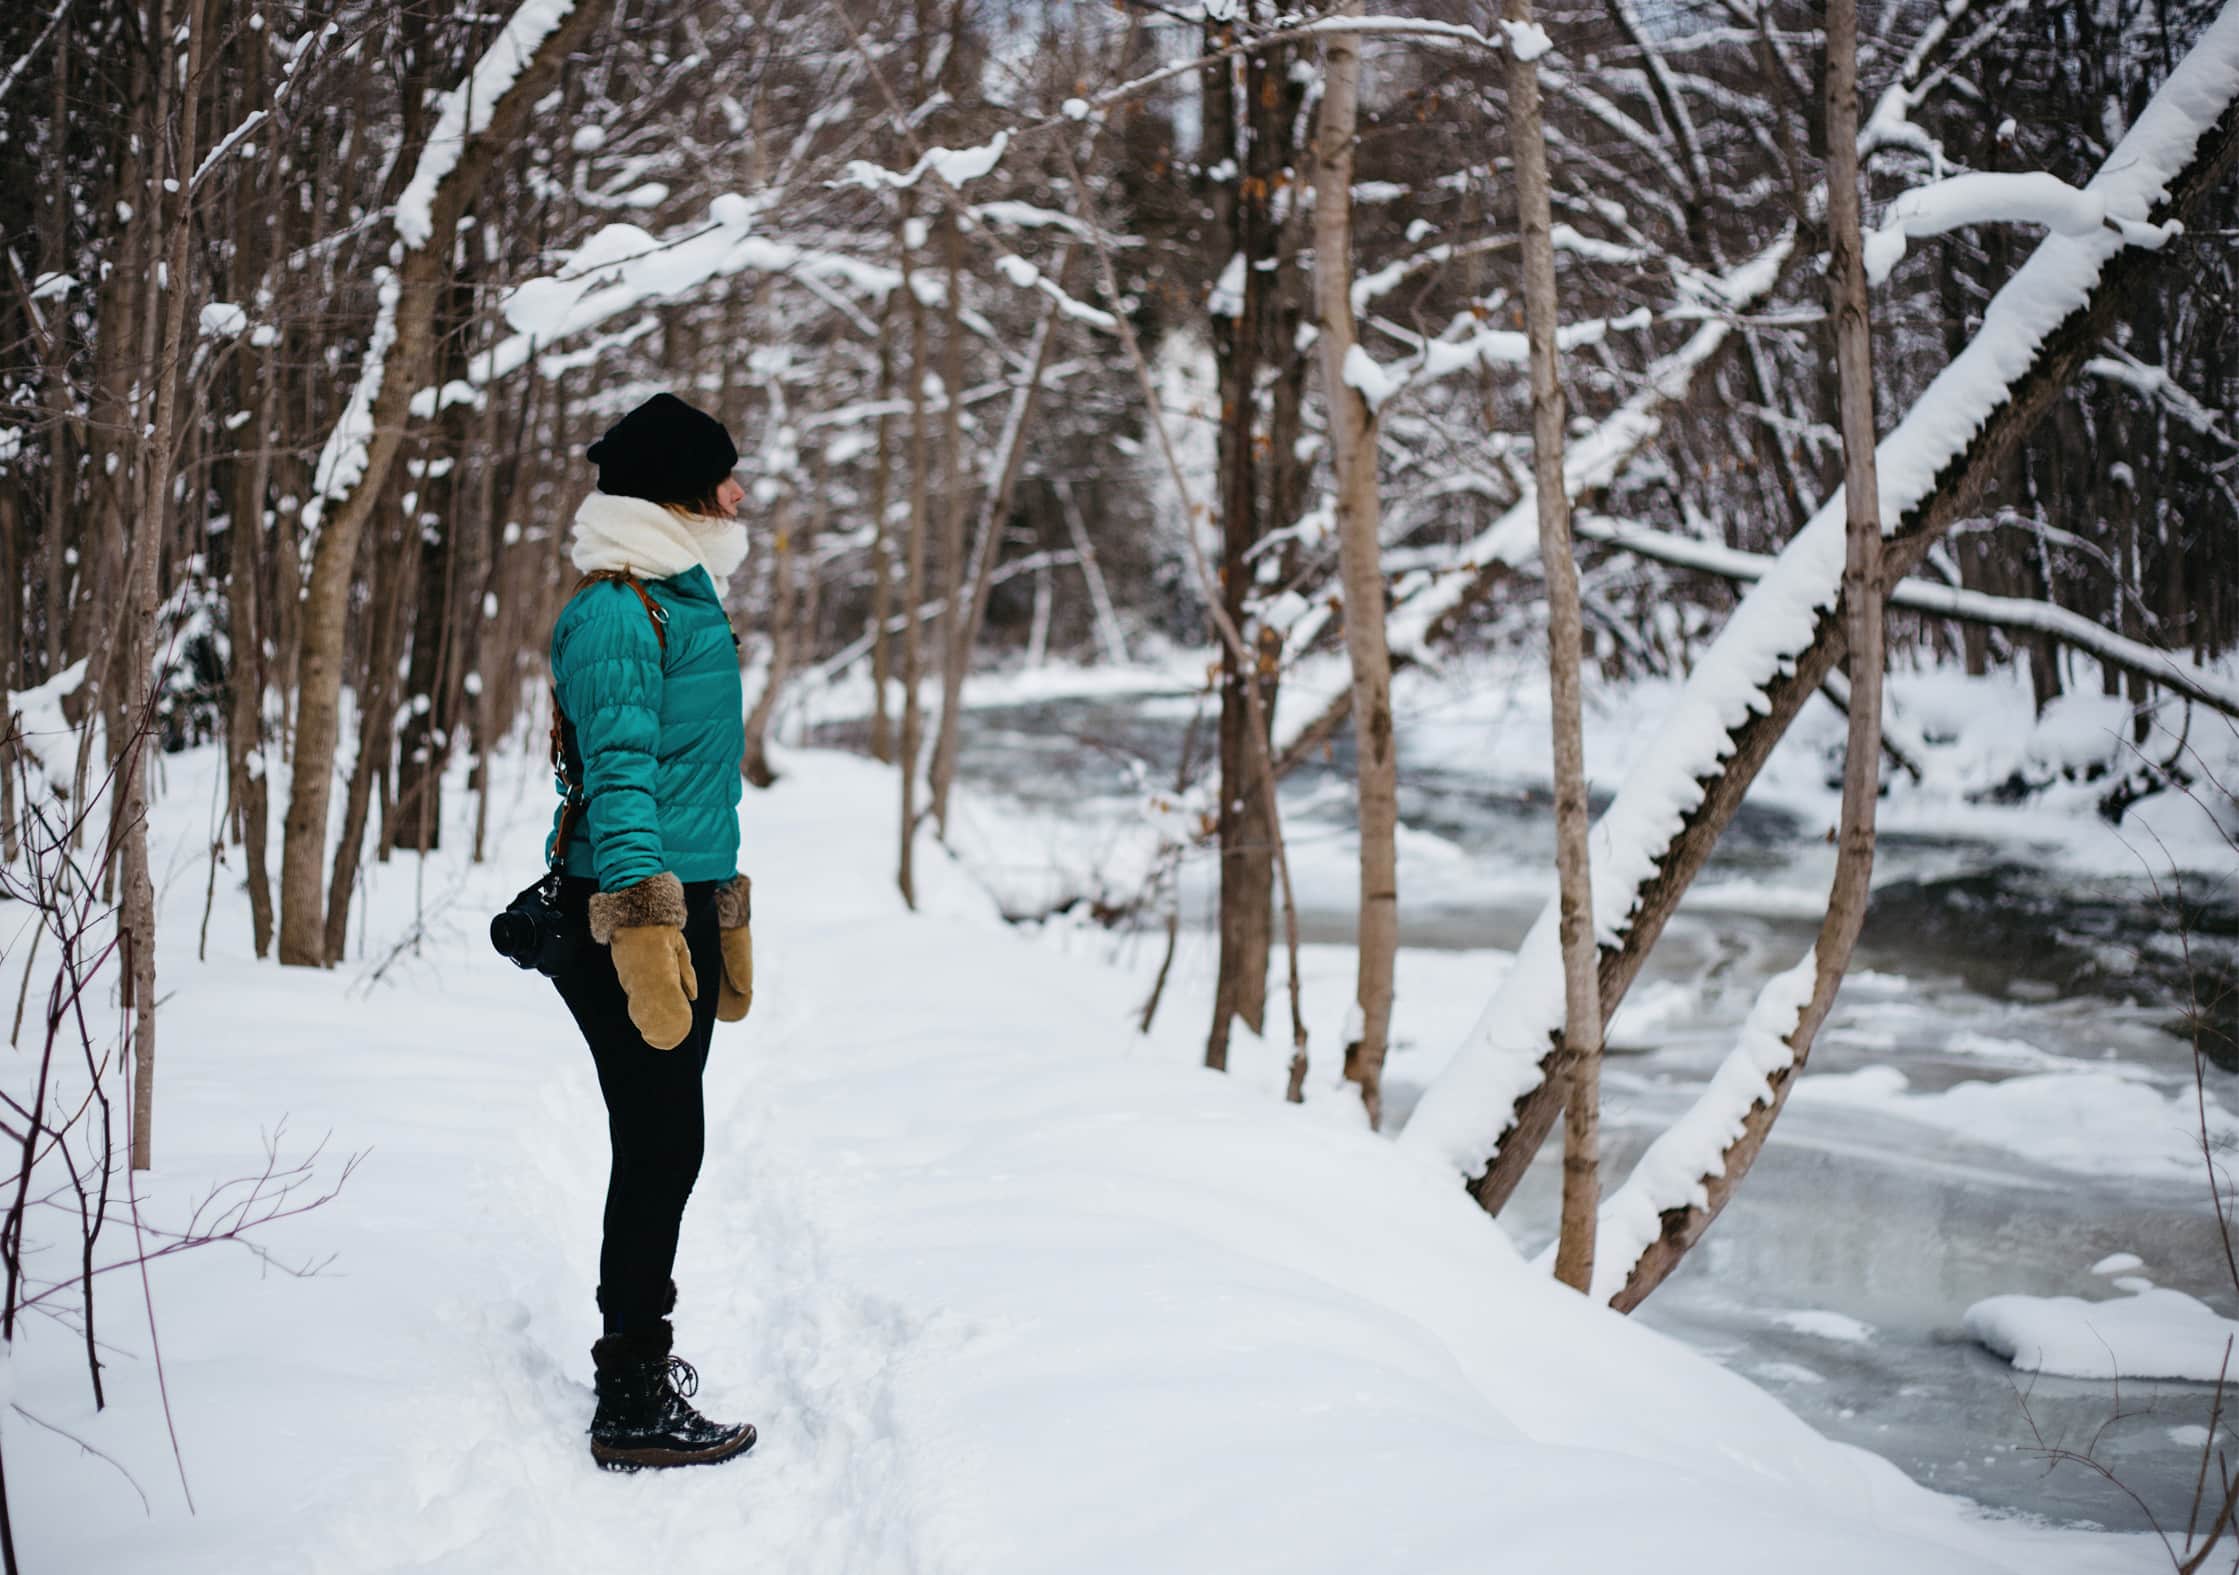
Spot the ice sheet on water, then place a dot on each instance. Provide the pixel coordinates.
(1826, 1325)
(2095, 1122)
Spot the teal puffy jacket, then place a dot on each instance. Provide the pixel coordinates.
(655, 737)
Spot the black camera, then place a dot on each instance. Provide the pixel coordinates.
(535, 931)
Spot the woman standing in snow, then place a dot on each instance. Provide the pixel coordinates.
(645, 670)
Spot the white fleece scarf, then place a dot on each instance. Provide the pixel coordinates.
(654, 541)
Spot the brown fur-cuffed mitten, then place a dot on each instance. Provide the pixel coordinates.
(643, 927)
(734, 913)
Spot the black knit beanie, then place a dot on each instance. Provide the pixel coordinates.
(664, 451)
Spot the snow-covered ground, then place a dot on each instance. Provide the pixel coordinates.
(2000, 1099)
(1006, 1286)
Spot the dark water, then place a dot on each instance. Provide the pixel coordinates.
(1891, 1222)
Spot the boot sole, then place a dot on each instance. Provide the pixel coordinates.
(612, 1459)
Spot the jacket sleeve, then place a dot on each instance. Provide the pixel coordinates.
(607, 669)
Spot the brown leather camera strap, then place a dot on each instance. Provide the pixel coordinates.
(574, 799)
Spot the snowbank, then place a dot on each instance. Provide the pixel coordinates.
(1005, 1289)
(2153, 1333)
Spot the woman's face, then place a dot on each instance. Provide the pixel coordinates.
(728, 497)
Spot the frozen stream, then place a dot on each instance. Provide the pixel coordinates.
(1981, 961)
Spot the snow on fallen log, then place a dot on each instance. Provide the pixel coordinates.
(1671, 1173)
(2154, 1333)
(1497, 1081)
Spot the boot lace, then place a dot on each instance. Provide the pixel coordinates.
(682, 1378)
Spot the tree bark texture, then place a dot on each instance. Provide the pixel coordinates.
(1582, 1014)
(1352, 435)
(137, 922)
(913, 576)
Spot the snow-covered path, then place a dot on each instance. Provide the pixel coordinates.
(1005, 1290)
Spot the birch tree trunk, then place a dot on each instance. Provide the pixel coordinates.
(1352, 430)
(1582, 1017)
(413, 293)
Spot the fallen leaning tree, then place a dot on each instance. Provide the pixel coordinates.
(1489, 1112)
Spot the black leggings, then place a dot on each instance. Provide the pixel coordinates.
(654, 1115)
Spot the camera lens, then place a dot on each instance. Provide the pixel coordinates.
(513, 933)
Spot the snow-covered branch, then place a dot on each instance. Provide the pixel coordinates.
(2155, 383)
(2027, 197)
(2166, 668)
(956, 167)
(466, 110)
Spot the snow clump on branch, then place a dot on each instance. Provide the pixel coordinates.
(956, 166)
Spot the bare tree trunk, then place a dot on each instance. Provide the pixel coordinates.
(396, 570)
(450, 527)
(245, 715)
(1038, 628)
(954, 653)
(882, 554)
(54, 224)
(11, 664)
(412, 293)
(1862, 615)
(913, 575)
(137, 923)
(2023, 395)
(995, 509)
(757, 759)
(1109, 636)
(1352, 429)
(1582, 1017)
(807, 578)
(1248, 831)
(1231, 636)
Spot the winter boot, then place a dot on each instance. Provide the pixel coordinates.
(643, 1418)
